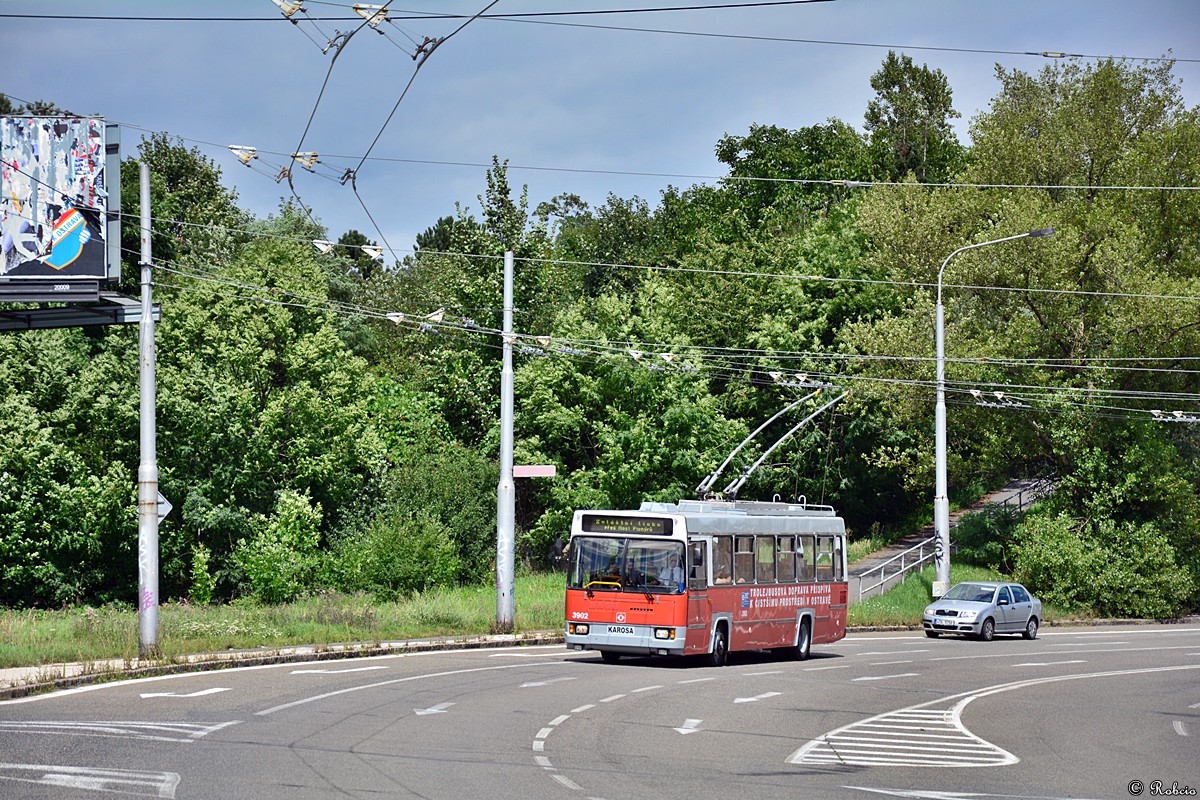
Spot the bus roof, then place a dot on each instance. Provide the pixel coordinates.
(741, 516)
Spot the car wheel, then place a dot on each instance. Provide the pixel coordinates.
(1031, 628)
(720, 649)
(933, 634)
(988, 630)
(610, 657)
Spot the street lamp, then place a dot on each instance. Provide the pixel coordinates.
(941, 504)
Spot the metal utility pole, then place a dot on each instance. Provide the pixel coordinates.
(941, 502)
(148, 466)
(506, 492)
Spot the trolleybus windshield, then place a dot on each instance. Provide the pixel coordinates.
(626, 565)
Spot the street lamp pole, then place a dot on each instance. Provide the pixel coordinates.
(941, 503)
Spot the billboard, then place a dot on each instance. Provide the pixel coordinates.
(53, 201)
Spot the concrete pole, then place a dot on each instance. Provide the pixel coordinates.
(506, 491)
(148, 466)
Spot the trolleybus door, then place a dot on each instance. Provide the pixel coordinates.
(699, 607)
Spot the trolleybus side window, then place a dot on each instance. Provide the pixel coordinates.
(722, 559)
(743, 559)
(786, 560)
(805, 559)
(698, 566)
(765, 571)
(825, 558)
(838, 543)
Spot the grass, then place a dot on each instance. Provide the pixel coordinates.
(902, 605)
(87, 635)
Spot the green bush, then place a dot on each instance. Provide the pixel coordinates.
(282, 560)
(1115, 569)
(984, 538)
(203, 581)
(398, 555)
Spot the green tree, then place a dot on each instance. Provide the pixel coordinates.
(909, 121)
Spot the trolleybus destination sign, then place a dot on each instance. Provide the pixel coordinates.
(638, 526)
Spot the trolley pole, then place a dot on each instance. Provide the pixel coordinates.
(506, 491)
(148, 466)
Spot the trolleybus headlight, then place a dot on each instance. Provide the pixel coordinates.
(578, 628)
(664, 633)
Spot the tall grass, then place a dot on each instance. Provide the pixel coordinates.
(85, 635)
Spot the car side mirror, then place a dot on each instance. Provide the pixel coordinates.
(1002, 602)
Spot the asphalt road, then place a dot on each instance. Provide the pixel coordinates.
(1075, 713)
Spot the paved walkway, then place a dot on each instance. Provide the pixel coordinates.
(1019, 493)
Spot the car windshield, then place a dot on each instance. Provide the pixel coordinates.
(971, 592)
(626, 565)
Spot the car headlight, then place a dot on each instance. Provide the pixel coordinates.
(929, 611)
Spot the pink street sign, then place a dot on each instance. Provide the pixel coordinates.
(533, 471)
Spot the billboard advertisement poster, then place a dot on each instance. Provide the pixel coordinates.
(53, 199)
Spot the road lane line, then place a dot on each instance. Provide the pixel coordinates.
(610, 699)
(888, 677)
(1178, 724)
(560, 719)
(581, 709)
(567, 782)
(646, 688)
(327, 695)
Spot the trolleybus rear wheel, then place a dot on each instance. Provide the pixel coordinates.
(804, 642)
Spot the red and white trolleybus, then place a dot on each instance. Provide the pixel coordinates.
(706, 577)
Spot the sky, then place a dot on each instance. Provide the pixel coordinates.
(577, 104)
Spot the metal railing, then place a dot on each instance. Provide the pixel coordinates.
(924, 552)
(1030, 493)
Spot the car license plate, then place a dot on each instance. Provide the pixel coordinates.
(945, 623)
(625, 629)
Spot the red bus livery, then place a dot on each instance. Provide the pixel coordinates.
(706, 578)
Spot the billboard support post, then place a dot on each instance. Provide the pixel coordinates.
(148, 466)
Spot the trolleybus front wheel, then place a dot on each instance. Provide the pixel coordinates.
(720, 648)
(610, 657)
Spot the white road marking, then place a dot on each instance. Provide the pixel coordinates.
(894, 653)
(332, 671)
(772, 672)
(929, 734)
(818, 669)
(544, 683)
(756, 697)
(646, 688)
(440, 708)
(567, 782)
(1178, 724)
(1194, 705)
(1078, 644)
(155, 731)
(887, 677)
(887, 663)
(95, 779)
(544, 732)
(581, 709)
(1059, 652)
(697, 680)
(539, 745)
(394, 681)
(543, 762)
(560, 719)
(611, 698)
(689, 726)
(933, 794)
(1049, 663)
(200, 693)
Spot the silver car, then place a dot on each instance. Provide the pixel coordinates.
(982, 609)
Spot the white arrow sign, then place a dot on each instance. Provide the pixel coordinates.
(164, 507)
(440, 708)
(762, 696)
(200, 693)
(689, 726)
